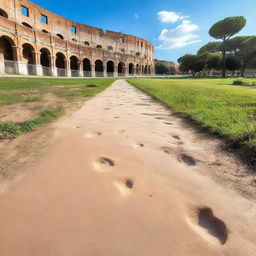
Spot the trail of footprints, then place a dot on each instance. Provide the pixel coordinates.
(201, 219)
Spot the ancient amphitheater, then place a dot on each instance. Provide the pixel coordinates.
(34, 41)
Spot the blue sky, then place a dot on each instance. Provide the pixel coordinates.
(175, 27)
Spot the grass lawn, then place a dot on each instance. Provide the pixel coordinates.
(14, 90)
(226, 110)
(44, 98)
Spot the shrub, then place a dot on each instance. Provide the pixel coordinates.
(239, 82)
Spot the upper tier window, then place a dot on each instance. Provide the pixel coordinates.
(110, 48)
(44, 19)
(99, 46)
(26, 25)
(60, 36)
(45, 31)
(74, 40)
(3, 13)
(121, 40)
(73, 29)
(25, 11)
(86, 43)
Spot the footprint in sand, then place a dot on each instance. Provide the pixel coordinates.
(125, 186)
(92, 134)
(176, 137)
(139, 145)
(104, 164)
(188, 160)
(209, 227)
(168, 150)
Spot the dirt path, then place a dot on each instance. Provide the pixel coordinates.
(127, 178)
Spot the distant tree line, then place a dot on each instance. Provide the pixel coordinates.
(233, 54)
(164, 69)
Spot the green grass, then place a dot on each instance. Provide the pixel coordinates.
(12, 129)
(27, 90)
(226, 110)
(16, 90)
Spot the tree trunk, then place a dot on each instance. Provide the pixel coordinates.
(242, 71)
(224, 59)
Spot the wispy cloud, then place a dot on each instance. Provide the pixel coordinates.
(136, 16)
(179, 36)
(169, 17)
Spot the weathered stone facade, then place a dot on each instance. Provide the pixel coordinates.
(43, 43)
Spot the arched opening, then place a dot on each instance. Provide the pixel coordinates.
(87, 67)
(98, 68)
(26, 25)
(121, 69)
(146, 69)
(45, 61)
(137, 69)
(99, 46)
(86, 43)
(6, 50)
(142, 69)
(7, 56)
(28, 54)
(3, 13)
(131, 69)
(60, 36)
(74, 66)
(149, 70)
(110, 68)
(110, 48)
(60, 64)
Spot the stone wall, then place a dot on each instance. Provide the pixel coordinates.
(47, 45)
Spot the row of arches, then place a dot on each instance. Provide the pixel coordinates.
(46, 60)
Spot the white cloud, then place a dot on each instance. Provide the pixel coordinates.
(136, 16)
(169, 17)
(180, 36)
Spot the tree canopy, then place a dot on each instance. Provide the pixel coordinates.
(224, 29)
(186, 62)
(161, 68)
(210, 47)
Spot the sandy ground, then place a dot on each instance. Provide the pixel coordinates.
(127, 178)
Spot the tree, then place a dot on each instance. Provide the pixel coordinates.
(186, 62)
(172, 70)
(213, 61)
(233, 63)
(243, 48)
(224, 30)
(161, 68)
(193, 63)
(210, 47)
(199, 62)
